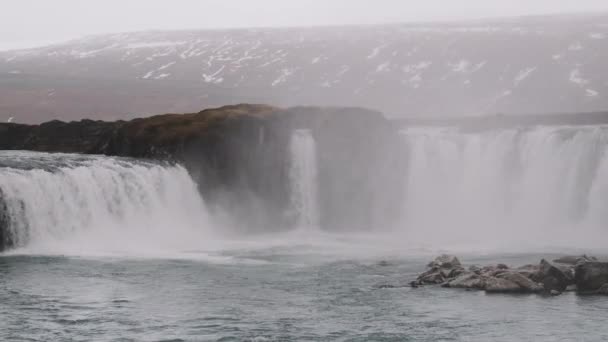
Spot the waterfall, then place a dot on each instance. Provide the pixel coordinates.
(66, 203)
(303, 179)
(513, 184)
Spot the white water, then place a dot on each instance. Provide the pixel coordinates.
(303, 179)
(544, 185)
(88, 205)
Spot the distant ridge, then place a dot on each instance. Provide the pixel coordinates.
(537, 64)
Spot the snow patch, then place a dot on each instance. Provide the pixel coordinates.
(285, 73)
(383, 67)
(412, 68)
(461, 66)
(591, 93)
(522, 75)
(376, 51)
(575, 47)
(315, 60)
(597, 35)
(479, 66)
(213, 78)
(556, 57)
(165, 66)
(148, 75)
(576, 77)
(161, 76)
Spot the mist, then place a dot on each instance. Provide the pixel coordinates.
(30, 23)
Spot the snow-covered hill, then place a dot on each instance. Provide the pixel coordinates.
(538, 64)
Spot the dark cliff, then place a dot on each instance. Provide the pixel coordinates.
(239, 155)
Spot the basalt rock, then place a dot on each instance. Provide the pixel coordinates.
(500, 285)
(553, 277)
(574, 259)
(524, 283)
(591, 276)
(441, 269)
(545, 277)
(467, 281)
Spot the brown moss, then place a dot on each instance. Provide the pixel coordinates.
(171, 128)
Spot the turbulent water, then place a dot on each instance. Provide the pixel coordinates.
(112, 249)
(303, 179)
(72, 204)
(548, 184)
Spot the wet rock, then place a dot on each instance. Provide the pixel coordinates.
(574, 259)
(383, 263)
(442, 269)
(587, 277)
(501, 285)
(603, 290)
(591, 276)
(445, 261)
(530, 271)
(525, 284)
(475, 269)
(493, 270)
(432, 276)
(552, 277)
(467, 281)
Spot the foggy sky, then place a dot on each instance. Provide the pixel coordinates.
(26, 23)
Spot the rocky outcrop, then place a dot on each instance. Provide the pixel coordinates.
(239, 156)
(587, 275)
(553, 277)
(592, 277)
(444, 267)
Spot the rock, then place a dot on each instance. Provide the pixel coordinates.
(442, 269)
(466, 281)
(603, 290)
(493, 270)
(525, 284)
(383, 263)
(555, 293)
(445, 261)
(574, 259)
(591, 276)
(432, 276)
(530, 271)
(552, 277)
(475, 269)
(501, 285)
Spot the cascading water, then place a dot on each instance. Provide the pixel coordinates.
(68, 203)
(303, 179)
(524, 184)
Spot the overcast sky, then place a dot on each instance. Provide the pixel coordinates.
(25, 23)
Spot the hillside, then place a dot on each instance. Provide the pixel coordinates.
(523, 65)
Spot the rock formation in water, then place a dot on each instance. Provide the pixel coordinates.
(239, 156)
(584, 274)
